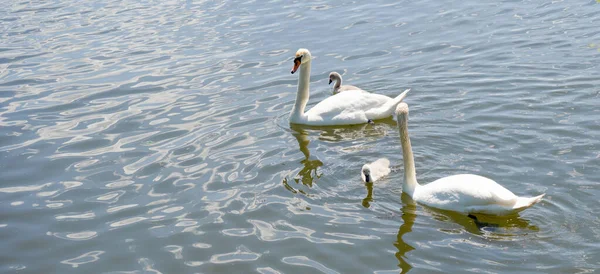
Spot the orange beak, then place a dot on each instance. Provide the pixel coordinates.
(296, 65)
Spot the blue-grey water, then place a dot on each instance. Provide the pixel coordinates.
(152, 136)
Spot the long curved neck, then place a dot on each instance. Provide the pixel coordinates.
(338, 83)
(410, 174)
(303, 93)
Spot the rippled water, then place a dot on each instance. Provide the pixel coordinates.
(142, 136)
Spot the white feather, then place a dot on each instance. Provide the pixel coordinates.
(346, 108)
(376, 170)
(467, 193)
(338, 87)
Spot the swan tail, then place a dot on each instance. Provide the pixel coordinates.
(388, 108)
(525, 202)
(391, 105)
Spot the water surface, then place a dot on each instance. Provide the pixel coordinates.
(153, 136)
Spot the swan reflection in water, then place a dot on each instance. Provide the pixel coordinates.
(502, 228)
(499, 227)
(366, 202)
(309, 173)
(408, 217)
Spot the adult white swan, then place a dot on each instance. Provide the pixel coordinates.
(346, 108)
(467, 193)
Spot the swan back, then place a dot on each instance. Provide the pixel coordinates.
(469, 193)
(374, 171)
(338, 86)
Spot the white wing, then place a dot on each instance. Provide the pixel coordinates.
(347, 88)
(380, 168)
(347, 107)
(464, 191)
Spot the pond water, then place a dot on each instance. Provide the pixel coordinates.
(153, 136)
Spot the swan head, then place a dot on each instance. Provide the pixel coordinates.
(366, 174)
(334, 76)
(302, 57)
(402, 111)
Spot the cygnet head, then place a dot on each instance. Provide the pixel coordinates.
(366, 174)
(302, 57)
(334, 76)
